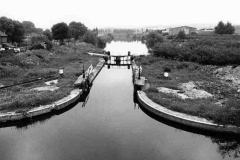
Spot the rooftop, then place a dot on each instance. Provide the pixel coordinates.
(2, 34)
(184, 26)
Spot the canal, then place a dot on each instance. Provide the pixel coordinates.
(109, 125)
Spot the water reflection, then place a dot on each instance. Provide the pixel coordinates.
(111, 126)
(84, 98)
(122, 48)
(28, 123)
(41, 119)
(228, 145)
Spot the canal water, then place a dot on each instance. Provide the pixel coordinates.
(109, 125)
(122, 48)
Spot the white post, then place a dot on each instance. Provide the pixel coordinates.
(166, 74)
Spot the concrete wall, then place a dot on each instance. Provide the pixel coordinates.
(60, 104)
(184, 119)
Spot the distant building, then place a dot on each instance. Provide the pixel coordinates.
(206, 31)
(154, 28)
(3, 38)
(237, 30)
(186, 29)
(165, 31)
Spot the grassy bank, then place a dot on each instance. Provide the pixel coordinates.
(207, 50)
(41, 63)
(228, 112)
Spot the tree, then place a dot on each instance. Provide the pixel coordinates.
(14, 29)
(89, 37)
(181, 34)
(60, 31)
(6, 25)
(77, 29)
(152, 38)
(229, 29)
(221, 28)
(48, 33)
(18, 33)
(29, 27)
(40, 41)
(95, 31)
(101, 43)
(110, 35)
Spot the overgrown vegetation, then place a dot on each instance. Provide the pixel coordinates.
(153, 38)
(193, 58)
(41, 63)
(222, 28)
(14, 29)
(215, 50)
(182, 72)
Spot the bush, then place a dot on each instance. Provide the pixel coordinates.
(37, 46)
(40, 41)
(181, 35)
(215, 51)
(222, 28)
(153, 38)
(9, 71)
(101, 43)
(89, 37)
(153, 89)
(110, 35)
(182, 65)
(166, 50)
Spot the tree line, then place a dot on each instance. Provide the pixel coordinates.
(18, 31)
(219, 49)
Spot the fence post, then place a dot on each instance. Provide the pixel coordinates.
(139, 74)
(83, 72)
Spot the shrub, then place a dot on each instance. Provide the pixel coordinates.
(181, 35)
(166, 50)
(167, 68)
(222, 28)
(216, 51)
(101, 43)
(171, 37)
(9, 71)
(182, 65)
(89, 37)
(49, 44)
(37, 46)
(110, 35)
(152, 90)
(152, 38)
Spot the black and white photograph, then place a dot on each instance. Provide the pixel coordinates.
(120, 80)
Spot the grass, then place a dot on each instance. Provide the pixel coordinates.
(182, 72)
(41, 63)
(26, 99)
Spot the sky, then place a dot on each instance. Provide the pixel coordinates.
(122, 13)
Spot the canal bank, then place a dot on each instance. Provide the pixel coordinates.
(57, 105)
(109, 124)
(174, 116)
(188, 120)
